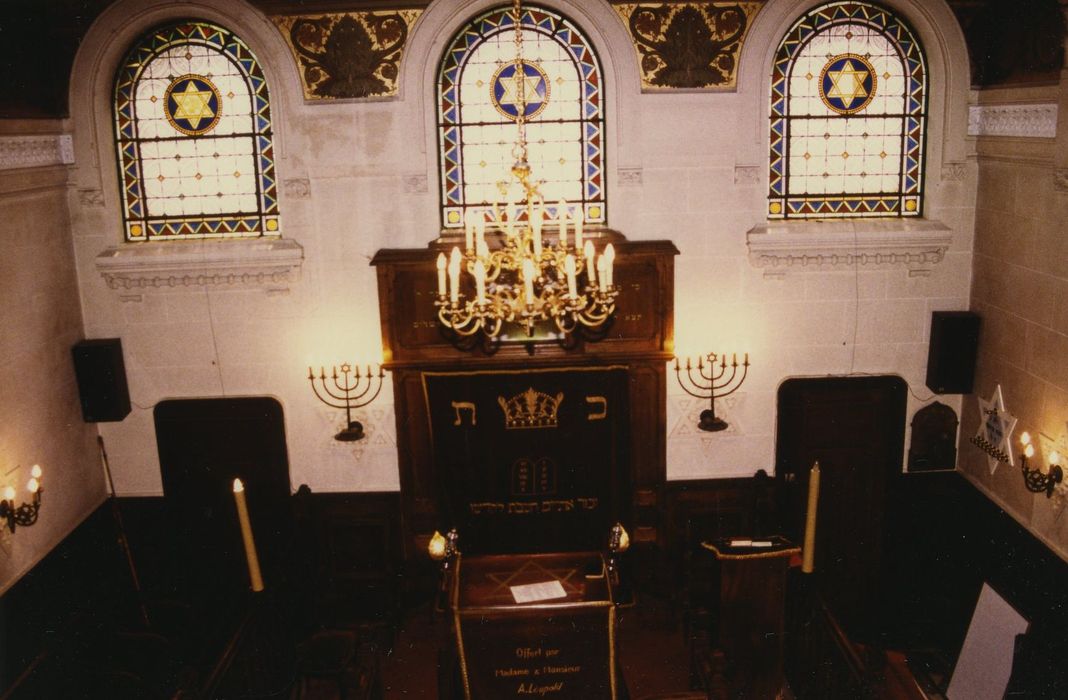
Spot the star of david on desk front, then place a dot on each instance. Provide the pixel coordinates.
(847, 84)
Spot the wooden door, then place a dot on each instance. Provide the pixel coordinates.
(854, 427)
(203, 445)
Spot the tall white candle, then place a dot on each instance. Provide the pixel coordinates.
(254, 574)
(602, 276)
(591, 269)
(579, 222)
(569, 269)
(808, 556)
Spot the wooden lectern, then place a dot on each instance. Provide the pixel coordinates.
(752, 603)
(513, 644)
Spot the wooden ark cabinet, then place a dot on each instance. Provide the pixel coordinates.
(640, 339)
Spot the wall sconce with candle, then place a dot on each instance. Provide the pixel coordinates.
(712, 381)
(1036, 480)
(347, 390)
(25, 514)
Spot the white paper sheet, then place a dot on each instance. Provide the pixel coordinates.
(534, 592)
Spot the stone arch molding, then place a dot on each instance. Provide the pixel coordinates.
(918, 245)
(602, 28)
(132, 269)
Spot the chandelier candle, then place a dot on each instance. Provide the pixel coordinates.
(520, 277)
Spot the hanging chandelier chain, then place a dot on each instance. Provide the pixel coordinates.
(525, 280)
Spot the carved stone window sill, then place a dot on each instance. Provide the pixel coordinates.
(261, 263)
(809, 246)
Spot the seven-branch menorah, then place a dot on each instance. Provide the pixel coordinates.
(710, 379)
(347, 390)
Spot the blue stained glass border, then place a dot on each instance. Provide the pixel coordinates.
(907, 202)
(136, 223)
(450, 123)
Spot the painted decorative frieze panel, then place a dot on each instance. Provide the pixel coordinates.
(688, 46)
(348, 55)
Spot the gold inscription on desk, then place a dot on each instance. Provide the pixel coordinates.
(545, 663)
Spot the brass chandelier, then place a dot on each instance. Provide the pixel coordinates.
(525, 279)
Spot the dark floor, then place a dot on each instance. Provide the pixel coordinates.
(653, 655)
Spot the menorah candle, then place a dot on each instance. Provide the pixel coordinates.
(254, 575)
(808, 558)
(569, 268)
(441, 279)
(591, 270)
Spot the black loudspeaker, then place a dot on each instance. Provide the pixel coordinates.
(951, 355)
(101, 377)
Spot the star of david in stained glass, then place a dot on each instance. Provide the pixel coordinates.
(512, 90)
(192, 105)
(847, 83)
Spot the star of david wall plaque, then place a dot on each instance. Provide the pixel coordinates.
(995, 430)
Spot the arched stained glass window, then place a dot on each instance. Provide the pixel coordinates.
(477, 111)
(193, 129)
(848, 113)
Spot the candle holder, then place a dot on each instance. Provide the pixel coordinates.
(348, 390)
(712, 381)
(1036, 480)
(24, 514)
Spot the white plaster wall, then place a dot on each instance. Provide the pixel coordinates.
(372, 170)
